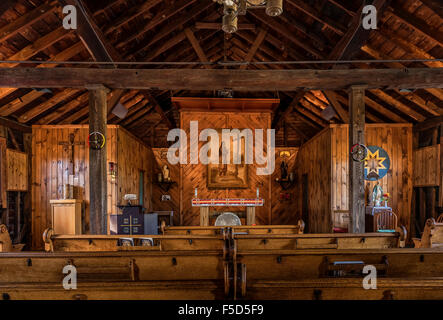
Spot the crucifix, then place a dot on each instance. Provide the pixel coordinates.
(71, 143)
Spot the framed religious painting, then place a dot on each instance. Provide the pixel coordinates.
(227, 174)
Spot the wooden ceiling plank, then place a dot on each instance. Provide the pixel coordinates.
(5, 5)
(159, 110)
(218, 26)
(96, 43)
(62, 56)
(434, 5)
(380, 56)
(339, 5)
(429, 123)
(130, 15)
(37, 46)
(410, 48)
(91, 35)
(257, 43)
(34, 112)
(397, 104)
(196, 45)
(377, 107)
(350, 44)
(283, 30)
(282, 113)
(343, 114)
(167, 13)
(68, 107)
(25, 20)
(417, 24)
(15, 125)
(171, 27)
(316, 15)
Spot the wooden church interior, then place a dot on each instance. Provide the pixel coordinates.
(307, 230)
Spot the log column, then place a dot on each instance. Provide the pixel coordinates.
(356, 169)
(97, 162)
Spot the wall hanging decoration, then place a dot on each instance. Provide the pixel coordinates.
(96, 140)
(377, 163)
(230, 175)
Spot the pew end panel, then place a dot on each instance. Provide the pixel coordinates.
(432, 236)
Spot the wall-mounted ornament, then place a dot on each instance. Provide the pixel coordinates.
(377, 163)
(286, 179)
(96, 140)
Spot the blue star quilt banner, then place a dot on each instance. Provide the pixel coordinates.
(377, 163)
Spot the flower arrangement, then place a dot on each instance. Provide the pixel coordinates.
(385, 198)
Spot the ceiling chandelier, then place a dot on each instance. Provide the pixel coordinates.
(233, 8)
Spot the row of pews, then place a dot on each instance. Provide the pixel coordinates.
(247, 262)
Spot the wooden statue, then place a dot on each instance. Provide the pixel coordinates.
(165, 172)
(377, 194)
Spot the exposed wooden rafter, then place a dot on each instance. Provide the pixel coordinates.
(200, 79)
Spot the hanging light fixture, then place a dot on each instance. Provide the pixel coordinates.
(230, 18)
(233, 8)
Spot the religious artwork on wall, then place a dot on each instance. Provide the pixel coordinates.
(377, 163)
(226, 174)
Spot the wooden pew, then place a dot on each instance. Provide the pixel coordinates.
(169, 272)
(432, 236)
(142, 290)
(6, 243)
(109, 243)
(320, 241)
(303, 274)
(213, 230)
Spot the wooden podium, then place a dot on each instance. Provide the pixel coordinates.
(205, 204)
(66, 216)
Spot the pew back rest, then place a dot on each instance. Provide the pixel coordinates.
(109, 243)
(432, 236)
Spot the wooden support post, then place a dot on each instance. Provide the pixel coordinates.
(356, 169)
(97, 162)
(440, 195)
(27, 201)
(3, 145)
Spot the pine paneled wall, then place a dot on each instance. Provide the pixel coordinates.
(325, 159)
(51, 168)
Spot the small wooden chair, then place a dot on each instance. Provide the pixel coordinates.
(385, 221)
(440, 219)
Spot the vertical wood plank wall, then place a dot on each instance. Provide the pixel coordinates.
(283, 211)
(427, 166)
(314, 160)
(396, 139)
(50, 170)
(324, 159)
(160, 159)
(133, 156)
(194, 176)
